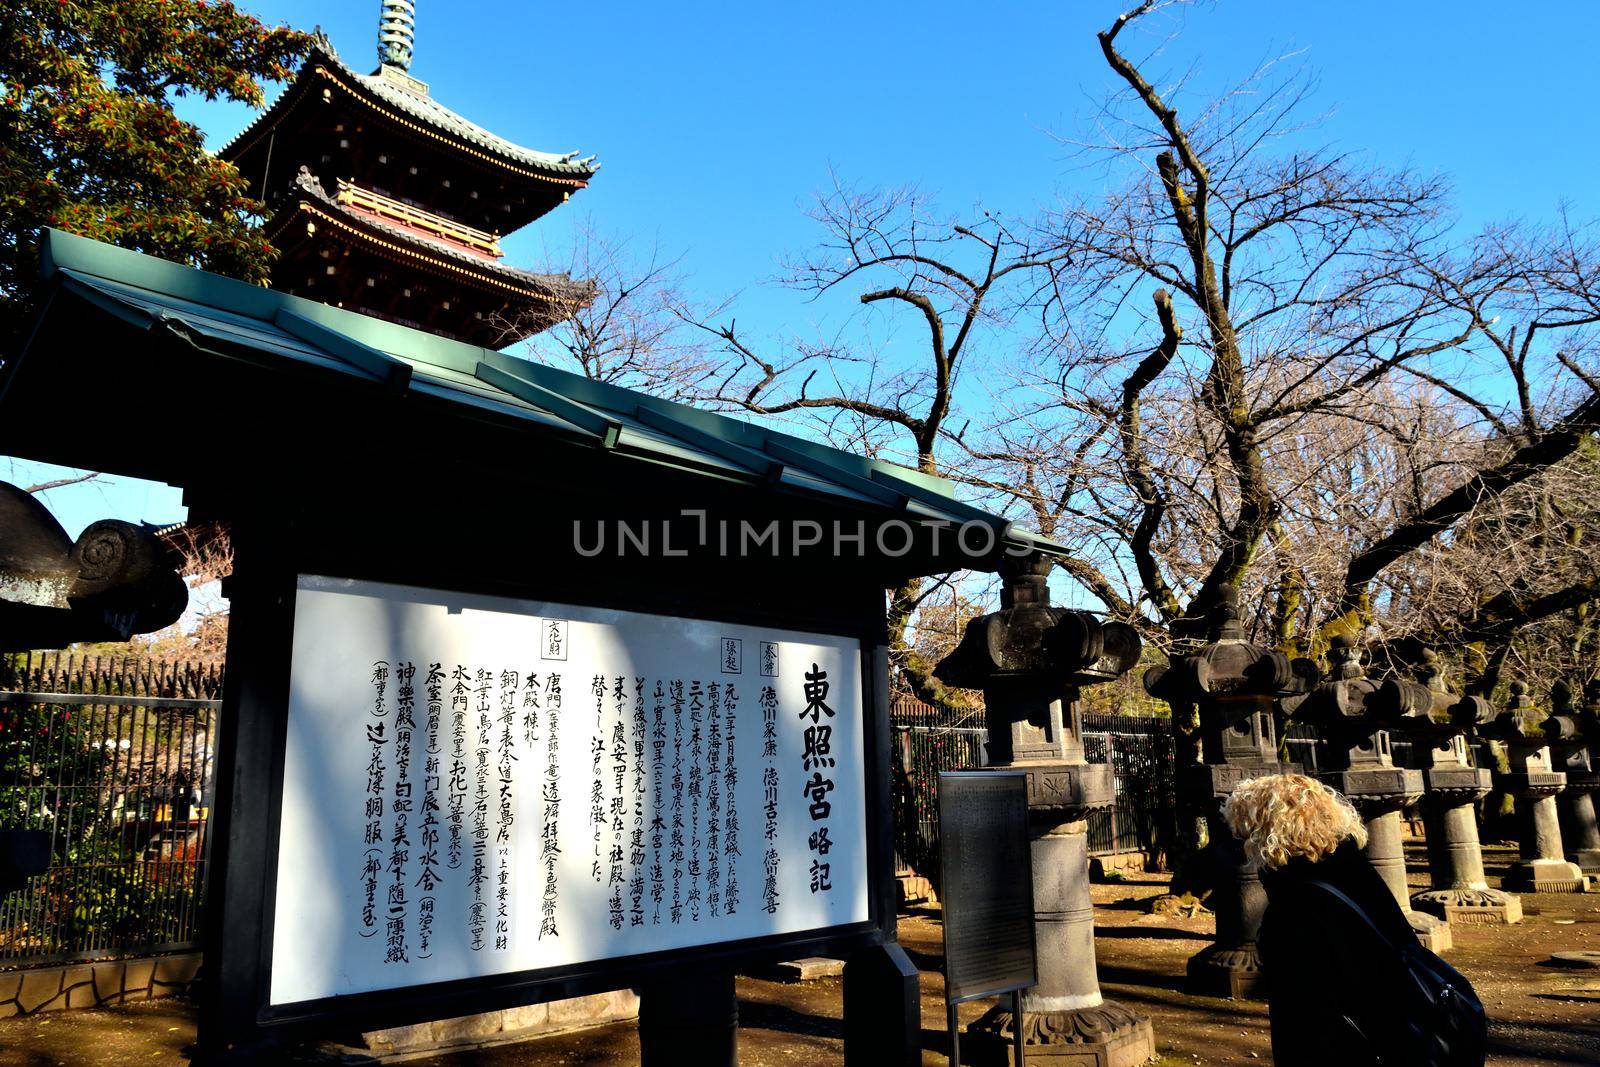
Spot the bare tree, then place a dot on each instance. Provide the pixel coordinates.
(59, 483)
(1532, 301)
(958, 280)
(629, 334)
(1300, 302)
(204, 550)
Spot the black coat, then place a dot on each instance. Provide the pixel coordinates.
(1332, 984)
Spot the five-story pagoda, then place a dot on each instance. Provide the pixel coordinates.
(386, 202)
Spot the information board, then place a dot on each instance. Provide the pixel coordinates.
(987, 892)
(476, 786)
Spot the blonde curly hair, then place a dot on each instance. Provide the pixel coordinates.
(1282, 816)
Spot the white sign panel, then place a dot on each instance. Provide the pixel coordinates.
(476, 786)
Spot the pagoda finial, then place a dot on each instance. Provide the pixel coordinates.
(397, 27)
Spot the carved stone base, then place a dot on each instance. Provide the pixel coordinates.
(1470, 907)
(1587, 859)
(1432, 932)
(1107, 1035)
(1546, 876)
(1227, 972)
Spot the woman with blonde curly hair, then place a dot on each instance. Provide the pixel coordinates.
(1346, 985)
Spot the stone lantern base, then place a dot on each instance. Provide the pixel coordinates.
(1546, 876)
(1542, 868)
(1106, 1035)
(1433, 933)
(1469, 907)
(1227, 972)
(1578, 825)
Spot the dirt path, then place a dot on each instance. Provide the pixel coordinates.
(1141, 960)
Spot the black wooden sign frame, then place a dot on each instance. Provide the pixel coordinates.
(236, 1011)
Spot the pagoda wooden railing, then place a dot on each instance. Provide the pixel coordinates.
(386, 207)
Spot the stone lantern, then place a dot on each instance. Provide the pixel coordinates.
(1354, 714)
(1575, 750)
(1234, 684)
(1031, 660)
(1543, 867)
(1440, 723)
(114, 581)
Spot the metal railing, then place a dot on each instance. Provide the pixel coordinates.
(121, 782)
(1140, 750)
(67, 672)
(926, 740)
(387, 207)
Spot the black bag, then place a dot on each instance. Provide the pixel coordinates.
(1443, 1016)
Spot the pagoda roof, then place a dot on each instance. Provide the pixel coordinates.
(414, 245)
(407, 100)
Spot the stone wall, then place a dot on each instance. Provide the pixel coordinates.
(913, 889)
(113, 982)
(513, 1024)
(96, 985)
(1115, 864)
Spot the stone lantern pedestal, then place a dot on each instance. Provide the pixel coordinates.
(1579, 827)
(1378, 797)
(1452, 786)
(1354, 714)
(1233, 684)
(1386, 852)
(1031, 660)
(1231, 965)
(1543, 867)
(1460, 892)
(1574, 738)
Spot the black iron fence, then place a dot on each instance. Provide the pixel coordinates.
(1140, 749)
(1141, 753)
(115, 763)
(928, 740)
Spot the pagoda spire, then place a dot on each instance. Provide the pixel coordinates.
(397, 27)
(387, 203)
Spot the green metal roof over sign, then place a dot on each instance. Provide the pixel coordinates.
(227, 319)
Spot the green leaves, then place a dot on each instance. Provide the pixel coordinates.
(89, 142)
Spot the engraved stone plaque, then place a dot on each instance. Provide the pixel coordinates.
(987, 892)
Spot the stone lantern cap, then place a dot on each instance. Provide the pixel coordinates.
(1527, 747)
(1229, 665)
(1439, 723)
(1426, 705)
(1345, 709)
(1031, 643)
(1570, 735)
(1522, 721)
(1567, 721)
(1345, 693)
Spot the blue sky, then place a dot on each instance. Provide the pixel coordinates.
(715, 122)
